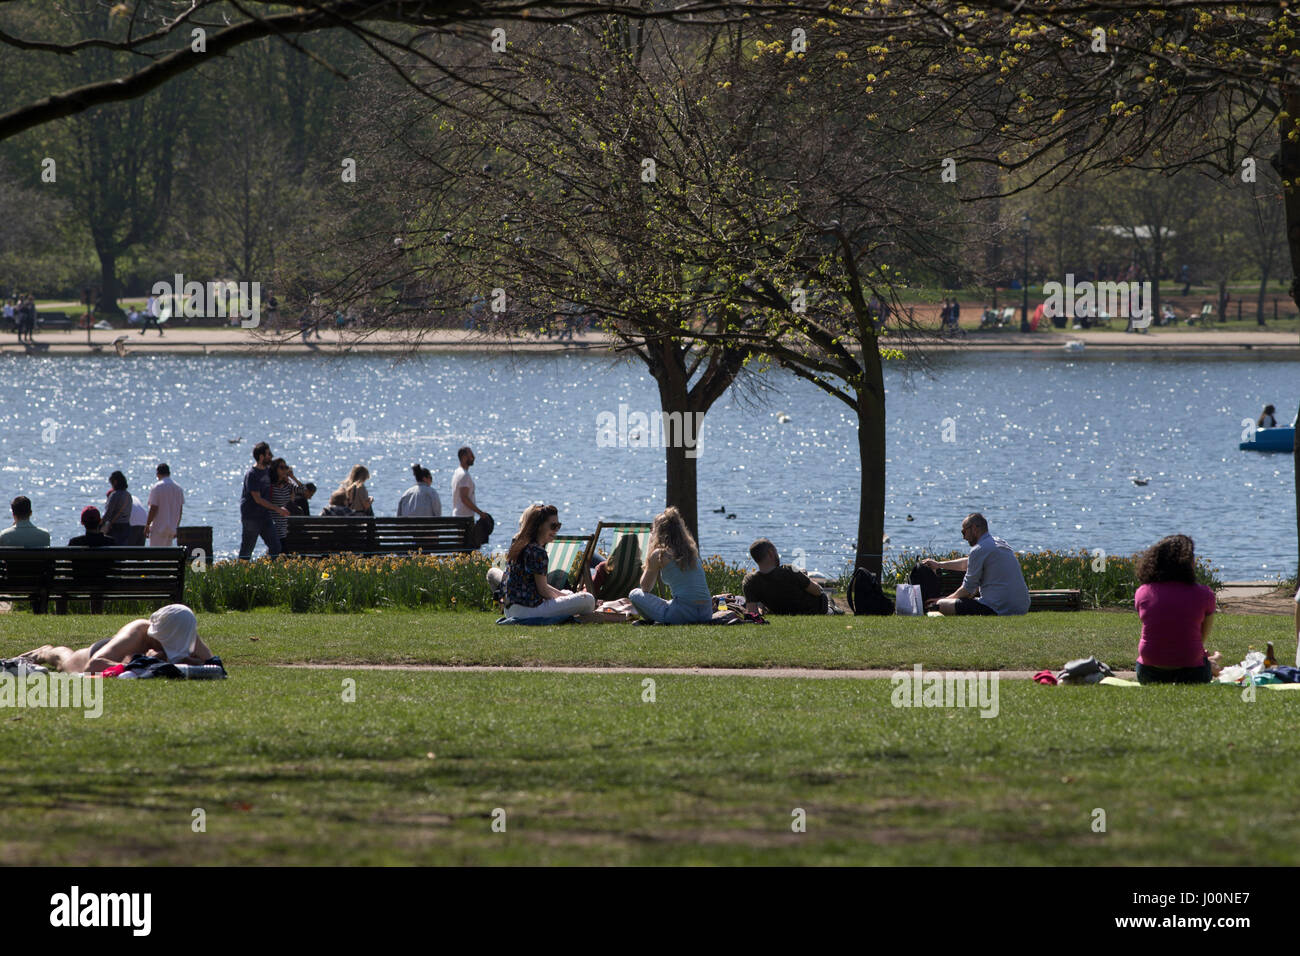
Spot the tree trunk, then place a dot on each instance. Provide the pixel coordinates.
(871, 457)
(668, 366)
(682, 491)
(1263, 292)
(108, 283)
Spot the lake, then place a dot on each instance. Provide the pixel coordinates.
(1043, 444)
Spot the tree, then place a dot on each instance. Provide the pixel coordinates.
(602, 175)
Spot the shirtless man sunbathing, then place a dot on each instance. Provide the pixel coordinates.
(171, 633)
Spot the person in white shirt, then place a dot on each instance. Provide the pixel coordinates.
(463, 500)
(464, 503)
(166, 502)
(420, 500)
(139, 518)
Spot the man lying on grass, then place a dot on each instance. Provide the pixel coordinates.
(171, 633)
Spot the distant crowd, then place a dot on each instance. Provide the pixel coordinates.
(271, 494)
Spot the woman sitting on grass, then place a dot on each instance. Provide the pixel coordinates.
(674, 558)
(171, 633)
(1176, 615)
(528, 594)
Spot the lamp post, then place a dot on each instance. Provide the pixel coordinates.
(1024, 279)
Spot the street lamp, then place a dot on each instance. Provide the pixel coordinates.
(1024, 279)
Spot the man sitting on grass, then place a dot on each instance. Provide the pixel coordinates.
(779, 588)
(171, 633)
(992, 572)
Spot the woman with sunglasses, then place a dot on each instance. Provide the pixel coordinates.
(528, 594)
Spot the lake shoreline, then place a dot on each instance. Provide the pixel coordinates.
(227, 342)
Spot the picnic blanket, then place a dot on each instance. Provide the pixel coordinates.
(143, 667)
(21, 667)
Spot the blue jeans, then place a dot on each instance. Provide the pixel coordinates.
(654, 608)
(263, 528)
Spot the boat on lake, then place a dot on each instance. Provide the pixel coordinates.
(1281, 438)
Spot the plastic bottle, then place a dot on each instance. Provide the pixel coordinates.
(201, 671)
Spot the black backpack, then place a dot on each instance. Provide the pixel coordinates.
(865, 595)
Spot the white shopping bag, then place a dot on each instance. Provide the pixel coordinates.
(907, 600)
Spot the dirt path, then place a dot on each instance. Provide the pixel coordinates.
(1256, 597)
(806, 672)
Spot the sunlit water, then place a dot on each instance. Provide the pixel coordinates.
(1044, 445)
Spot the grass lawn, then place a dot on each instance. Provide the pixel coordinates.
(287, 772)
(587, 772)
(456, 637)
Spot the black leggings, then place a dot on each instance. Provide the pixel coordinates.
(1146, 674)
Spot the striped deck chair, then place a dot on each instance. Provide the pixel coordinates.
(563, 553)
(622, 579)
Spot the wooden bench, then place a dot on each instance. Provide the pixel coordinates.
(1057, 599)
(54, 320)
(41, 575)
(315, 536)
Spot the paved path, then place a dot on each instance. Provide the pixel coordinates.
(225, 341)
(808, 672)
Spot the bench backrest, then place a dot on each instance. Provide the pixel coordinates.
(365, 535)
(108, 572)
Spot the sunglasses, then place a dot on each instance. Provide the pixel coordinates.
(555, 526)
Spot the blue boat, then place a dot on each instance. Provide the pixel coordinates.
(1281, 438)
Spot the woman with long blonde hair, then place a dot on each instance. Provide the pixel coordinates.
(354, 491)
(528, 593)
(675, 559)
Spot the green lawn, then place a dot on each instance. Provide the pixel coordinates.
(454, 637)
(587, 772)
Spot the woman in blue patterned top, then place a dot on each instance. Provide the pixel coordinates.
(528, 594)
(675, 559)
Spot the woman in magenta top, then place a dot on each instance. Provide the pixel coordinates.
(1176, 615)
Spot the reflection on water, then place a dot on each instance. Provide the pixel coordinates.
(1044, 445)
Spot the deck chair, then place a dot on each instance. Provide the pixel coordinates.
(623, 576)
(1008, 315)
(565, 550)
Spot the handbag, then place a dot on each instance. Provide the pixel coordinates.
(908, 600)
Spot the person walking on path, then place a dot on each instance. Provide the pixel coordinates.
(28, 326)
(166, 502)
(283, 487)
(255, 508)
(464, 499)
